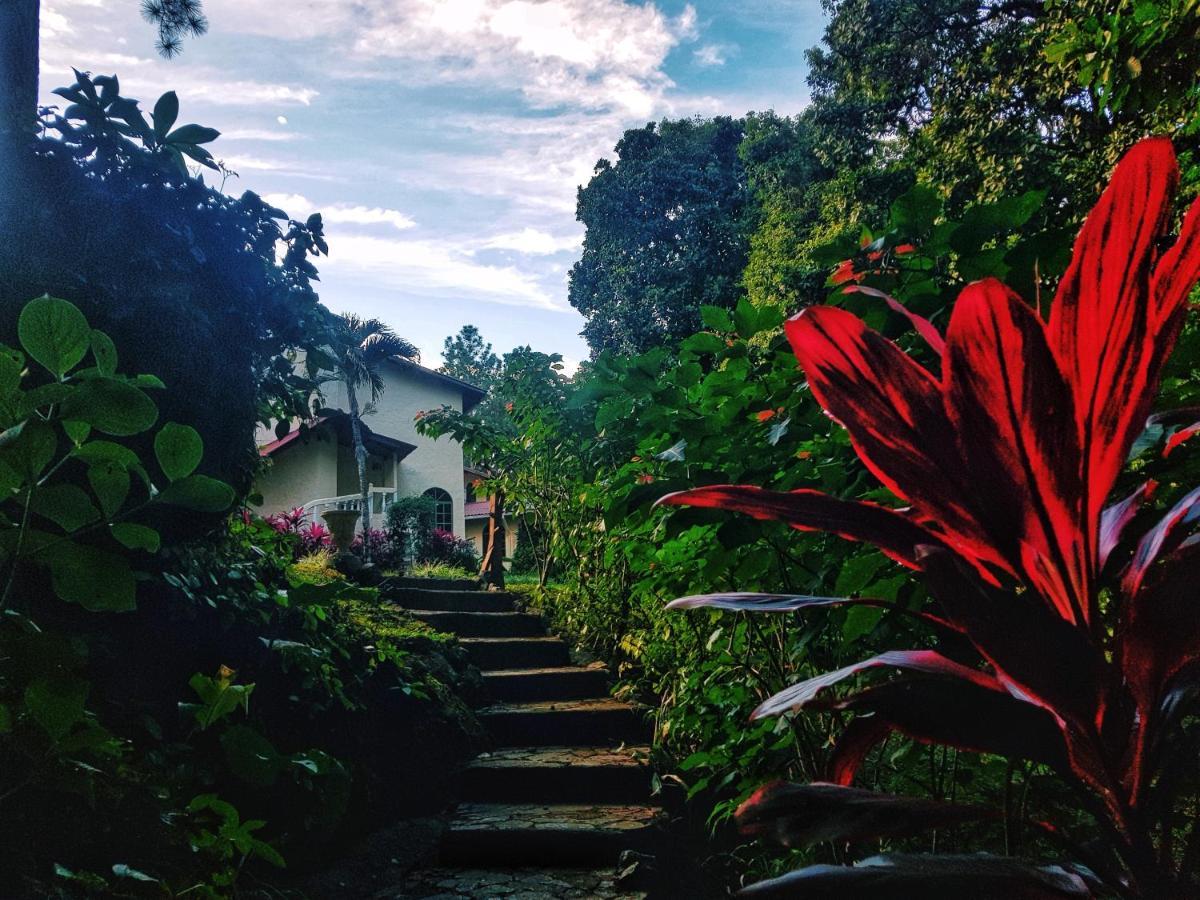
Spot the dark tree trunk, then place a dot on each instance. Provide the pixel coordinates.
(360, 459)
(492, 568)
(18, 70)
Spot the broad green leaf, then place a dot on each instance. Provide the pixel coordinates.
(77, 431)
(136, 537)
(860, 621)
(66, 505)
(149, 381)
(111, 406)
(96, 580)
(107, 451)
(12, 363)
(166, 111)
(198, 492)
(104, 351)
(28, 448)
(55, 333)
(193, 134)
(110, 482)
(219, 696)
(178, 449)
(716, 318)
(251, 757)
(703, 342)
(56, 703)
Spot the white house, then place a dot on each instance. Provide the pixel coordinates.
(316, 469)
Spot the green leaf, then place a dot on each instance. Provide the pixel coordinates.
(55, 333)
(28, 448)
(96, 580)
(166, 111)
(6, 721)
(12, 363)
(66, 505)
(107, 451)
(111, 406)
(56, 703)
(716, 318)
(77, 431)
(137, 537)
(860, 621)
(123, 871)
(198, 492)
(149, 381)
(703, 342)
(251, 757)
(178, 449)
(104, 351)
(110, 482)
(219, 696)
(193, 134)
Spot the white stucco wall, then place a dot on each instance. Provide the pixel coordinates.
(304, 471)
(435, 463)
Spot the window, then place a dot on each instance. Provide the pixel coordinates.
(443, 516)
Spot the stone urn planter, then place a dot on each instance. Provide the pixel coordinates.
(341, 524)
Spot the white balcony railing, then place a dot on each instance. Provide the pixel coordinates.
(379, 498)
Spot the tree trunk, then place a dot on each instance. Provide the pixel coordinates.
(18, 71)
(360, 457)
(492, 568)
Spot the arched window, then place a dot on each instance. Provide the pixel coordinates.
(443, 516)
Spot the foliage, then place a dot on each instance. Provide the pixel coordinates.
(465, 356)
(447, 549)
(101, 176)
(441, 570)
(410, 523)
(667, 230)
(381, 549)
(1008, 462)
(315, 566)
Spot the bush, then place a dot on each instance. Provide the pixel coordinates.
(182, 277)
(316, 567)
(383, 548)
(410, 522)
(440, 570)
(444, 547)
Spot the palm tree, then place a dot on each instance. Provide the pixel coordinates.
(364, 346)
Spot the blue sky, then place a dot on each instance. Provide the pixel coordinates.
(443, 140)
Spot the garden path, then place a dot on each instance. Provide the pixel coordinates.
(566, 788)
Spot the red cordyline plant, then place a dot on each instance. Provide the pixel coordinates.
(1053, 647)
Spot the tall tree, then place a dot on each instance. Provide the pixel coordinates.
(364, 346)
(667, 231)
(467, 356)
(174, 19)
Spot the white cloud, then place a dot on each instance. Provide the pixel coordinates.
(257, 134)
(590, 54)
(531, 242)
(711, 55)
(298, 207)
(432, 265)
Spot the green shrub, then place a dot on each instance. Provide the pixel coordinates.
(410, 522)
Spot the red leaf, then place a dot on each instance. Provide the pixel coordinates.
(1116, 317)
(1179, 516)
(1115, 517)
(1179, 437)
(928, 661)
(800, 815)
(750, 602)
(888, 529)
(1013, 415)
(978, 876)
(893, 411)
(922, 325)
(856, 740)
(950, 712)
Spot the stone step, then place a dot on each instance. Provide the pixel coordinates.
(432, 584)
(483, 624)
(451, 601)
(563, 722)
(525, 884)
(556, 683)
(516, 653)
(559, 775)
(559, 834)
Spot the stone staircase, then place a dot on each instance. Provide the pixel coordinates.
(566, 784)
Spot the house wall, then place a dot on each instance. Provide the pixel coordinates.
(381, 471)
(304, 471)
(476, 529)
(435, 463)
